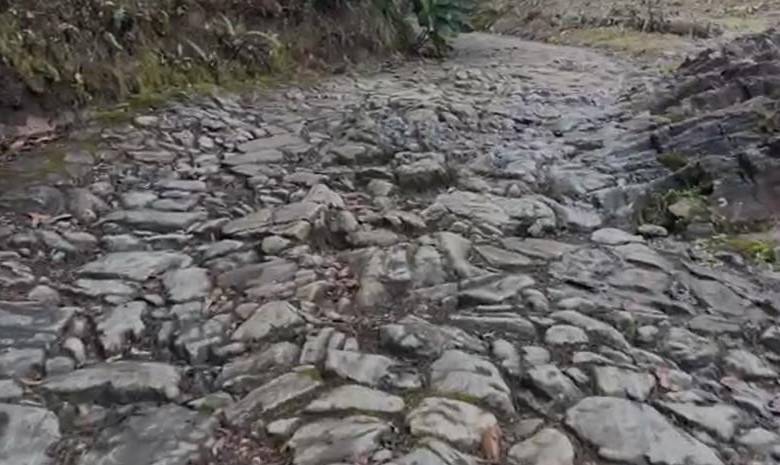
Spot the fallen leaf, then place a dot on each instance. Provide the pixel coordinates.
(38, 218)
(491, 444)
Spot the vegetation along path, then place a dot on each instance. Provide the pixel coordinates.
(526, 254)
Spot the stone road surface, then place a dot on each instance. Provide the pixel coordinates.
(378, 270)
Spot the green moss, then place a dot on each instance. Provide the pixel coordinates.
(673, 160)
(760, 250)
(657, 210)
(312, 373)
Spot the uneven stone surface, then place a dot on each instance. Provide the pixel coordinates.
(625, 431)
(337, 440)
(457, 422)
(391, 267)
(26, 434)
(170, 435)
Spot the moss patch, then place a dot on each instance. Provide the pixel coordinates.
(761, 250)
(673, 160)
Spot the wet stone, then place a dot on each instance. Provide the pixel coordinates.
(547, 447)
(689, 350)
(596, 329)
(626, 431)
(430, 451)
(459, 423)
(271, 395)
(619, 382)
(334, 440)
(720, 419)
(250, 371)
(565, 335)
(10, 390)
(356, 398)
(155, 220)
(122, 382)
(167, 435)
(417, 336)
(271, 317)
(612, 236)
(747, 365)
(134, 266)
(458, 373)
(370, 369)
(553, 384)
(187, 284)
(26, 434)
(121, 325)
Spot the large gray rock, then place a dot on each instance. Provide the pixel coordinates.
(253, 369)
(156, 220)
(458, 373)
(26, 433)
(626, 431)
(547, 447)
(417, 336)
(135, 266)
(526, 215)
(620, 382)
(274, 221)
(187, 284)
(553, 384)
(597, 330)
(123, 382)
(370, 369)
(688, 349)
(166, 435)
(338, 440)
(748, 365)
(121, 325)
(454, 421)
(430, 451)
(356, 398)
(271, 395)
(719, 419)
(273, 316)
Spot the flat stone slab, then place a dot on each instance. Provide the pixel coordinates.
(626, 431)
(26, 433)
(272, 395)
(135, 266)
(166, 435)
(357, 398)
(460, 373)
(430, 451)
(619, 382)
(547, 447)
(338, 440)
(31, 324)
(273, 316)
(415, 335)
(370, 369)
(123, 382)
(454, 421)
(187, 284)
(156, 220)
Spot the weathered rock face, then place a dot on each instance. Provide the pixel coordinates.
(625, 431)
(26, 434)
(169, 435)
(397, 268)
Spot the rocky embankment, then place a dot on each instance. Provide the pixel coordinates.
(414, 267)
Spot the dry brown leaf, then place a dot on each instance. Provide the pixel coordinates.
(38, 218)
(491, 444)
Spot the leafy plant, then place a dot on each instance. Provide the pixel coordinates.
(440, 20)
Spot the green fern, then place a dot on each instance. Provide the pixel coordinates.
(441, 20)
